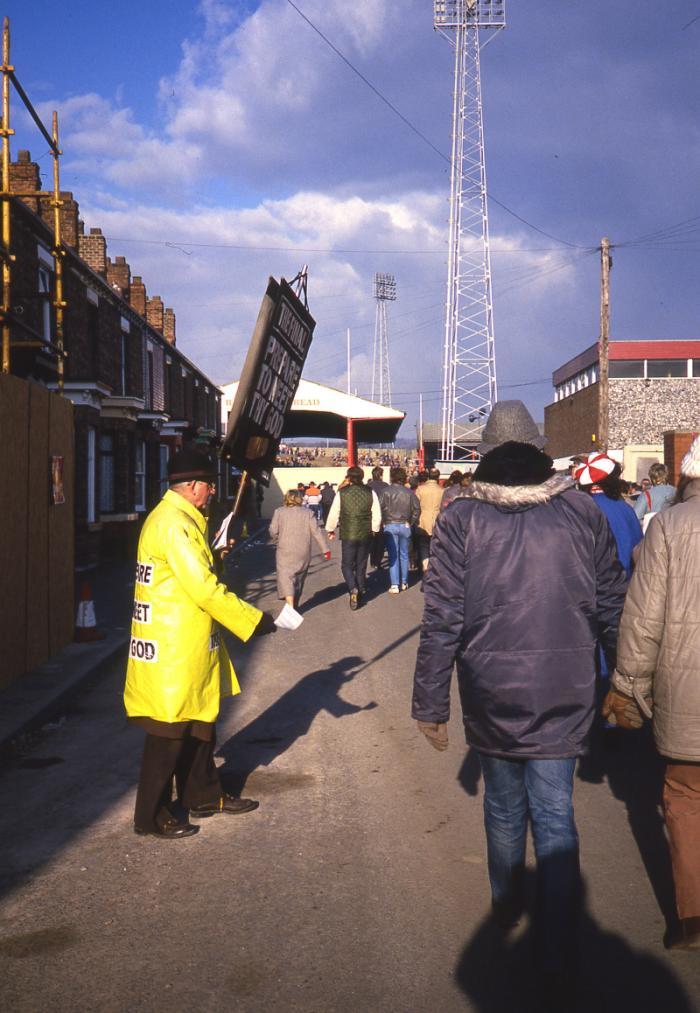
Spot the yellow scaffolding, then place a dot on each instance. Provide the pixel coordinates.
(6, 194)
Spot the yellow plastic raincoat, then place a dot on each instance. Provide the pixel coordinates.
(179, 667)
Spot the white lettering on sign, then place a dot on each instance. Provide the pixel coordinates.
(142, 612)
(144, 573)
(143, 650)
(214, 641)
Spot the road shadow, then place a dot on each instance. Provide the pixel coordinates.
(323, 596)
(629, 762)
(290, 717)
(499, 972)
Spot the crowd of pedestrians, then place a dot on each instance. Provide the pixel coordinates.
(539, 588)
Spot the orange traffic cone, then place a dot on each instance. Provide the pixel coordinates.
(85, 623)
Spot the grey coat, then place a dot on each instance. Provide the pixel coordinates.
(658, 651)
(294, 529)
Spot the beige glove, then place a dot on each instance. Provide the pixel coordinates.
(622, 710)
(435, 732)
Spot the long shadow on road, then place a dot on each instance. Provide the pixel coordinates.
(290, 717)
(634, 771)
(497, 972)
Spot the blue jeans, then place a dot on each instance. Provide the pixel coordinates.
(541, 791)
(397, 537)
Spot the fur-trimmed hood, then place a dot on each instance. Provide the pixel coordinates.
(517, 497)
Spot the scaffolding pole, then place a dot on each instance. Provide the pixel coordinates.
(10, 78)
(6, 132)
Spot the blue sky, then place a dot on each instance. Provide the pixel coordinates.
(230, 131)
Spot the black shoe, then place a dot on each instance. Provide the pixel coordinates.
(354, 600)
(171, 830)
(684, 936)
(226, 804)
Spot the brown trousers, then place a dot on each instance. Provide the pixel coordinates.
(682, 811)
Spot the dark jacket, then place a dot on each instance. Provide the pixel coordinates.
(522, 582)
(355, 513)
(399, 505)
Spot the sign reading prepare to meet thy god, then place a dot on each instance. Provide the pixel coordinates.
(269, 381)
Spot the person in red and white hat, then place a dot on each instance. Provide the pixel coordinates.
(599, 475)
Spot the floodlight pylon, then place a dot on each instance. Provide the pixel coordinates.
(469, 361)
(384, 290)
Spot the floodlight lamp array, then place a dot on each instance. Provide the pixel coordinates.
(469, 14)
(385, 287)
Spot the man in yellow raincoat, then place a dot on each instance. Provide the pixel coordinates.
(178, 666)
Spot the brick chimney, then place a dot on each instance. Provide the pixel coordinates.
(68, 216)
(169, 325)
(93, 250)
(25, 178)
(137, 295)
(119, 276)
(154, 312)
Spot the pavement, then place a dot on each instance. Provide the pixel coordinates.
(358, 885)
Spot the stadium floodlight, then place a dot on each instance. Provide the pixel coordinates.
(469, 363)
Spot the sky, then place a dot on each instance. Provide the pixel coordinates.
(219, 142)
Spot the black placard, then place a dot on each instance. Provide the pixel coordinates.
(269, 381)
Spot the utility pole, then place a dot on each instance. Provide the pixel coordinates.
(603, 342)
(348, 360)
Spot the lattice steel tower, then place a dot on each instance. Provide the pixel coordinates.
(384, 291)
(469, 364)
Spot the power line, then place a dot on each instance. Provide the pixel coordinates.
(176, 244)
(369, 84)
(415, 129)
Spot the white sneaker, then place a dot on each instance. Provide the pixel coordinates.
(394, 589)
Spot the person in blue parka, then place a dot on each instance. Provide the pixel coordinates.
(524, 579)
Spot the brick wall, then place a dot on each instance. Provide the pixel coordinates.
(68, 216)
(642, 411)
(155, 312)
(93, 250)
(25, 178)
(169, 325)
(137, 295)
(676, 445)
(119, 276)
(569, 424)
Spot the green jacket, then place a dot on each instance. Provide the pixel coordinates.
(355, 513)
(179, 667)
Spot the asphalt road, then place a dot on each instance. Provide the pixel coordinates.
(360, 883)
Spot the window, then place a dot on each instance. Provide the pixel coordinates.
(106, 473)
(148, 378)
(122, 363)
(90, 506)
(625, 369)
(163, 459)
(123, 348)
(93, 332)
(659, 368)
(696, 367)
(44, 288)
(139, 475)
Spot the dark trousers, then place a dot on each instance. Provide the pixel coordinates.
(422, 542)
(353, 562)
(190, 762)
(376, 554)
